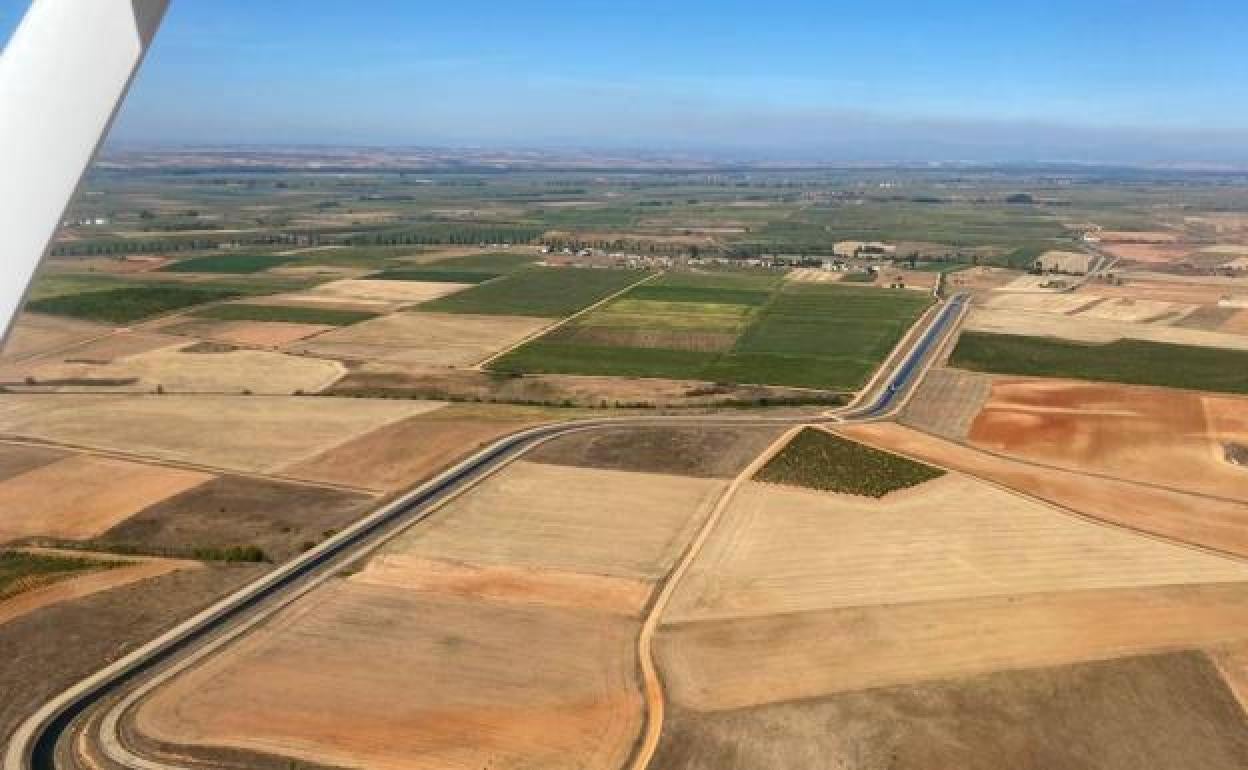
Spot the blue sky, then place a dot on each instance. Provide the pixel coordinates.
(1058, 80)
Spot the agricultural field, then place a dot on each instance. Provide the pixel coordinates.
(228, 263)
(820, 460)
(545, 292)
(1136, 362)
(22, 571)
(242, 311)
(730, 328)
(127, 305)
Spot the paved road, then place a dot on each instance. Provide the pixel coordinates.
(34, 744)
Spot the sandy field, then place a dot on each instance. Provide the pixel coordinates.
(257, 434)
(81, 496)
(377, 676)
(33, 334)
(16, 459)
(1066, 303)
(1159, 712)
(615, 523)
(1215, 524)
(1237, 324)
(507, 584)
(1188, 290)
(428, 339)
(183, 370)
(1083, 329)
(406, 452)
(947, 402)
(813, 275)
(718, 665)
(378, 293)
(86, 584)
(265, 334)
(1034, 284)
(1150, 435)
(980, 278)
(1134, 310)
(790, 550)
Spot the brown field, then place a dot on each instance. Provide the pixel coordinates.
(377, 676)
(403, 453)
(1133, 309)
(1216, 524)
(1150, 252)
(1149, 435)
(95, 630)
(186, 370)
(615, 523)
(1062, 304)
(88, 583)
(720, 453)
(947, 402)
(33, 334)
(510, 585)
(734, 663)
(268, 334)
(791, 550)
(278, 517)
(1153, 713)
(1202, 290)
(257, 434)
(119, 344)
(980, 278)
(81, 496)
(427, 339)
(924, 280)
(16, 459)
(1237, 324)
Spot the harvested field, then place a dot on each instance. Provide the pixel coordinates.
(34, 334)
(1215, 524)
(1153, 713)
(789, 550)
(1237, 324)
(680, 451)
(510, 585)
(730, 664)
(1149, 435)
(947, 402)
(188, 370)
(408, 451)
(259, 434)
(1084, 329)
(813, 275)
(604, 522)
(94, 630)
(1208, 317)
(16, 459)
(980, 278)
(429, 339)
(68, 587)
(1134, 310)
(1062, 304)
(277, 517)
(1153, 253)
(374, 675)
(400, 292)
(264, 334)
(81, 496)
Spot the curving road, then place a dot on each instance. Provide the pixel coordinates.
(34, 745)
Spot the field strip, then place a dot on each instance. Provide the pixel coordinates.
(148, 460)
(547, 329)
(1056, 507)
(651, 683)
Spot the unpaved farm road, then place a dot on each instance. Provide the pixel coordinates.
(37, 743)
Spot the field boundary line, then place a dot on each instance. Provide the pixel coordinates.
(652, 683)
(542, 332)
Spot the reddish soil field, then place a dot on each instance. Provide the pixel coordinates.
(1216, 524)
(1149, 252)
(1150, 435)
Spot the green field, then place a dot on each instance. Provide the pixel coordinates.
(22, 571)
(541, 291)
(127, 304)
(298, 315)
(228, 263)
(1135, 362)
(820, 460)
(821, 336)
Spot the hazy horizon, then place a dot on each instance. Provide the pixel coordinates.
(1115, 83)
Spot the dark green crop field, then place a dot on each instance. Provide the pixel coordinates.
(22, 571)
(692, 326)
(228, 263)
(1134, 362)
(287, 314)
(127, 304)
(541, 291)
(820, 460)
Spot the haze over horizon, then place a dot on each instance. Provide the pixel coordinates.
(1113, 82)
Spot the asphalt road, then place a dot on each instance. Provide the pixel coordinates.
(34, 744)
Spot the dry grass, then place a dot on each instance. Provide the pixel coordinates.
(428, 339)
